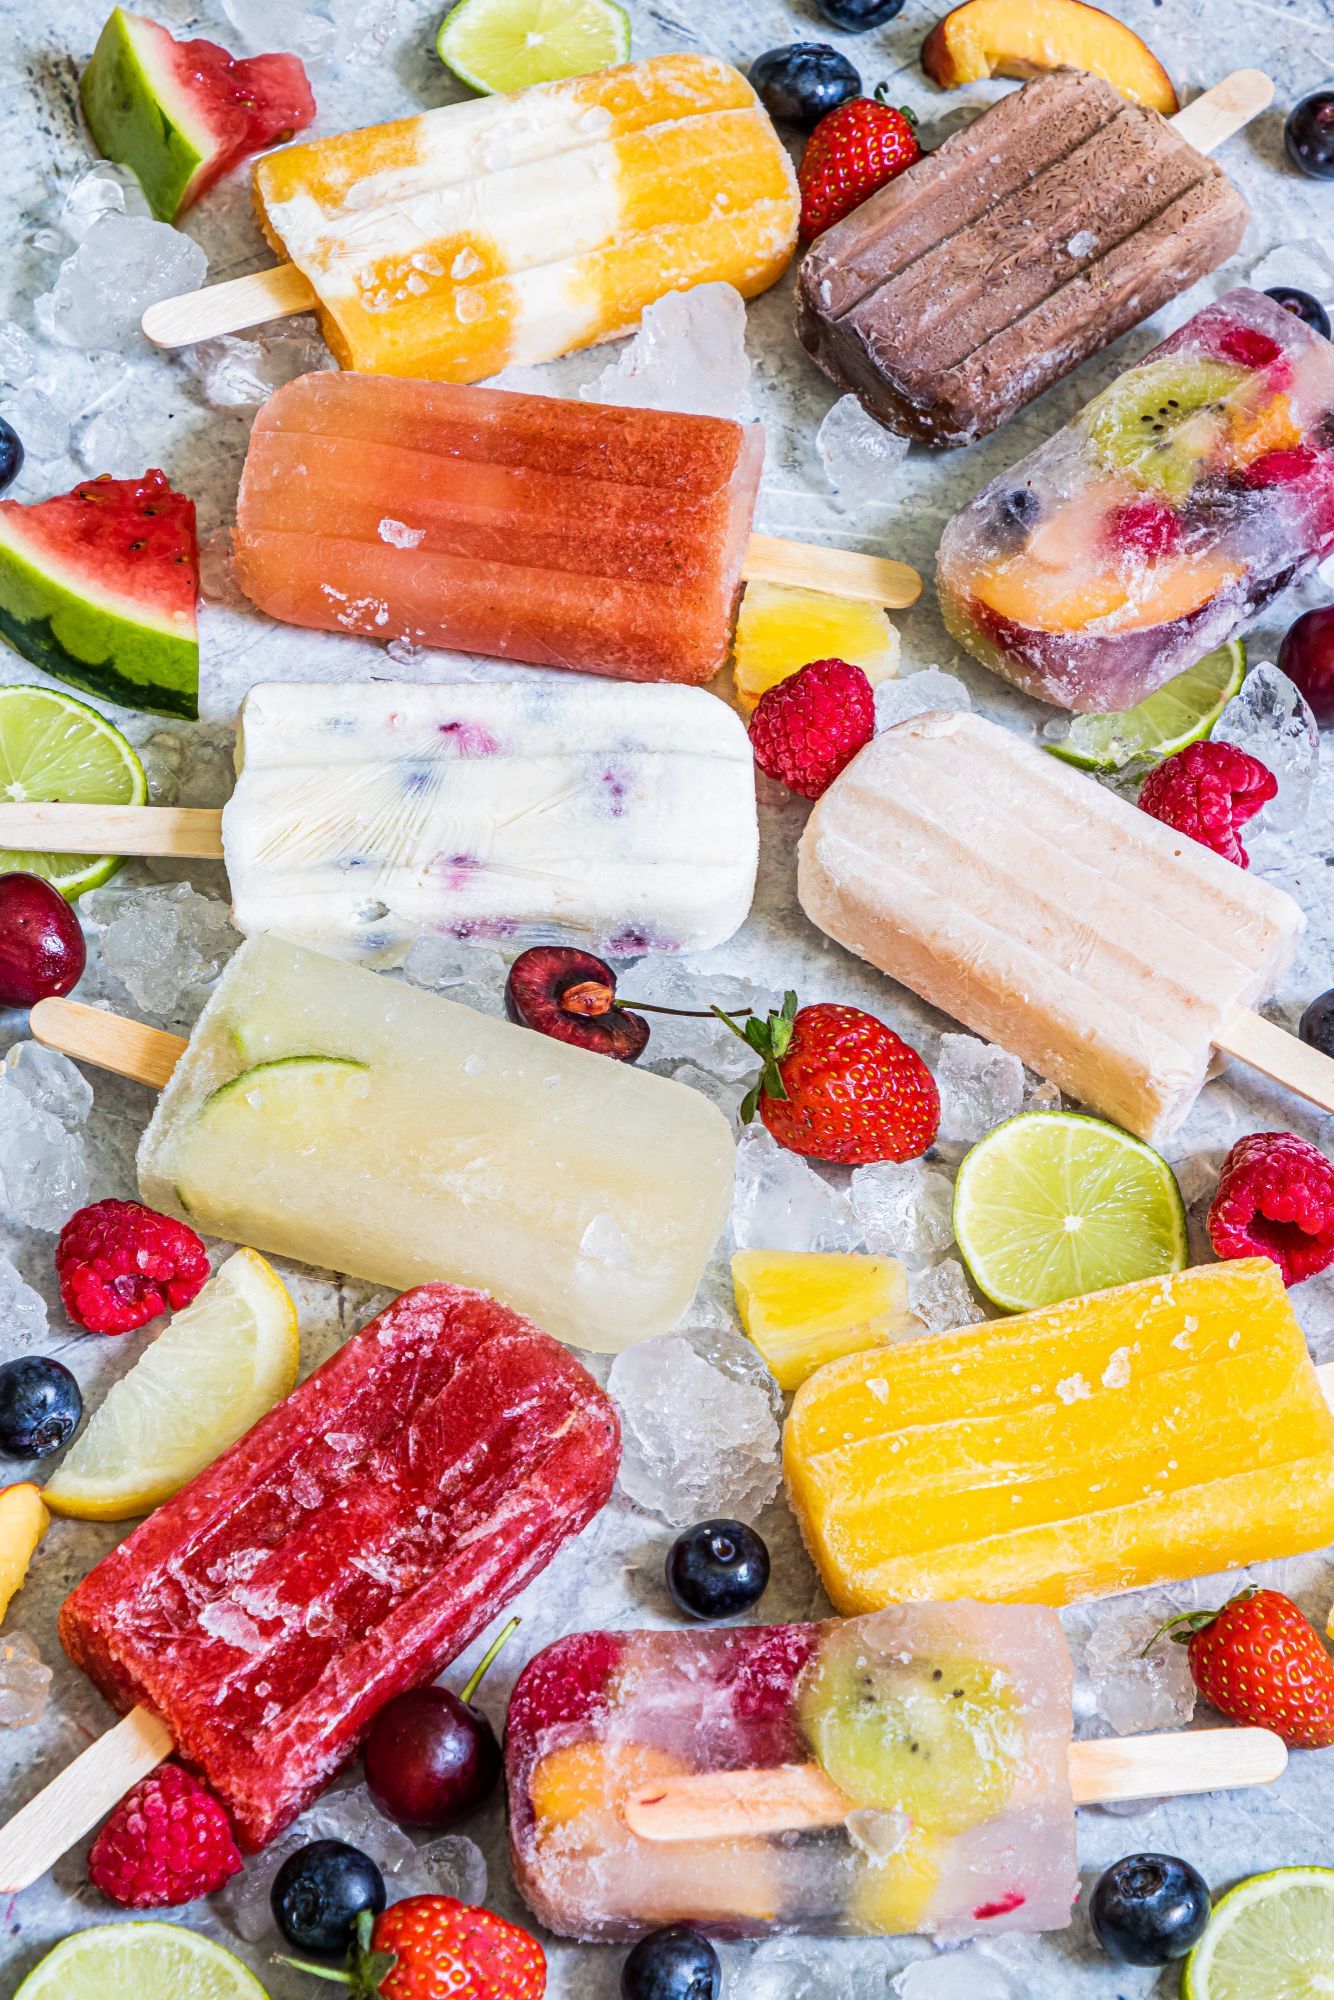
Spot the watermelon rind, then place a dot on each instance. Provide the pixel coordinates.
(104, 645)
(140, 117)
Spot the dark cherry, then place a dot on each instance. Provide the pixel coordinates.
(1302, 306)
(432, 1758)
(571, 996)
(1149, 1909)
(42, 951)
(1306, 656)
(1309, 135)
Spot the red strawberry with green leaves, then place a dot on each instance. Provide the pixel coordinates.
(436, 1948)
(853, 150)
(837, 1084)
(1261, 1661)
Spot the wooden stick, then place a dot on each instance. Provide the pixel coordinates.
(1218, 113)
(109, 1041)
(1276, 1053)
(873, 579)
(184, 832)
(229, 308)
(72, 1804)
(799, 1798)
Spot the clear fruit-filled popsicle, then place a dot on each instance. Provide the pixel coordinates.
(562, 533)
(1108, 951)
(368, 812)
(1158, 1431)
(348, 1547)
(1160, 521)
(515, 228)
(907, 1772)
(328, 1113)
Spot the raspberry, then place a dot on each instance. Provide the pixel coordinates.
(121, 1264)
(1146, 527)
(167, 1842)
(809, 726)
(1209, 790)
(1275, 1199)
(564, 1684)
(1248, 346)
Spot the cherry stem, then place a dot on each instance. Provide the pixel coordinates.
(335, 1973)
(480, 1671)
(686, 1013)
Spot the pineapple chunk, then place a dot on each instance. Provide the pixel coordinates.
(780, 628)
(805, 1307)
(23, 1522)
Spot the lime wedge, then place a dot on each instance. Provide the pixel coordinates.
(57, 750)
(140, 1962)
(1180, 713)
(293, 1096)
(221, 1365)
(1052, 1204)
(1270, 1938)
(507, 44)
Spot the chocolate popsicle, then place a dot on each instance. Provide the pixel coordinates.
(1057, 220)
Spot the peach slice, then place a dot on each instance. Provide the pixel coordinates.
(23, 1521)
(1045, 600)
(1024, 37)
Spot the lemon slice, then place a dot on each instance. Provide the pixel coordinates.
(56, 750)
(1270, 1938)
(497, 45)
(221, 1364)
(140, 1962)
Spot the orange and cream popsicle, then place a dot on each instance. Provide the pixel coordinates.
(1161, 1430)
(516, 228)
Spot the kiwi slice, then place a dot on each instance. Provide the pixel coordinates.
(940, 1739)
(1161, 422)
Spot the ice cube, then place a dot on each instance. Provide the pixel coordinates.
(363, 28)
(124, 265)
(22, 1313)
(699, 1413)
(1303, 265)
(797, 1968)
(860, 456)
(188, 765)
(473, 975)
(980, 1086)
(50, 1081)
(905, 1211)
(18, 355)
(689, 354)
(406, 652)
(451, 1866)
(1136, 1691)
(695, 1035)
(106, 443)
(726, 1095)
(105, 188)
(42, 425)
(166, 946)
(1269, 717)
(239, 374)
(217, 569)
(780, 1203)
(281, 24)
(918, 694)
(43, 1171)
(25, 1682)
(955, 1975)
(942, 1297)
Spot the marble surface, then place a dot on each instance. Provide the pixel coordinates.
(614, 1574)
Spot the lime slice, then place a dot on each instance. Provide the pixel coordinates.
(294, 1096)
(58, 750)
(221, 1365)
(1052, 1204)
(506, 44)
(1270, 1938)
(1180, 713)
(140, 1962)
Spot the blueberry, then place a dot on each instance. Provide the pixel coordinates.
(1302, 306)
(716, 1569)
(40, 1407)
(672, 1964)
(320, 1891)
(1317, 1023)
(1149, 1909)
(801, 83)
(1309, 135)
(855, 15)
(11, 455)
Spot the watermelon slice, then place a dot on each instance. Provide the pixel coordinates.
(98, 588)
(180, 115)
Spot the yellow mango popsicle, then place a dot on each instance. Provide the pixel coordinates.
(1156, 1431)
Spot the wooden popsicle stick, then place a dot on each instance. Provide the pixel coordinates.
(1216, 114)
(108, 1041)
(1277, 1054)
(72, 1804)
(844, 572)
(228, 308)
(799, 1798)
(185, 832)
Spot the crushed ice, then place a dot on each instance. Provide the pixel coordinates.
(165, 945)
(860, 456)
(689, 354)
(123, 265)
(699, 1413)
(780, 1203)
(922, 693)
(1269, 717)
(44, 1102)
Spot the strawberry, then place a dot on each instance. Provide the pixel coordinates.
(837, 1084)
(1260, 1661)
(853, 151)
(436, 1948)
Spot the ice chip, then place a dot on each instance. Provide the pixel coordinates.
(105, 188)
(166, 945)
(918, 694)
(451, 1866)
(281, 24)
(1137, 1691)
(124, 264)
(217, 569)
(473, 975)
(942, 1297)
(699, 1414)
(689, 354)
(798, 1968)
(860, 456)
(980, 1086)
(1269, 717)
(18, 355)
(25, 1682)
(351, 1816)
(363, 28)
(781, 1203)
(106, 443)
(43, 1172)
(905, 1211)
(955, 1975)
(237, 374)
(694, 1034)
(22, 1313)
(42, 425)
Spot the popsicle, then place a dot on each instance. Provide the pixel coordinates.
(1160, 522)
(1058, 219)
(348, 1547)
(1162, 1430)
(1114, 955)
(514, 228)
(369, 812)
(911, 1771)
(330, 1114)
(609, 540)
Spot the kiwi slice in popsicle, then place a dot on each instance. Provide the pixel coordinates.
(1161, 422)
